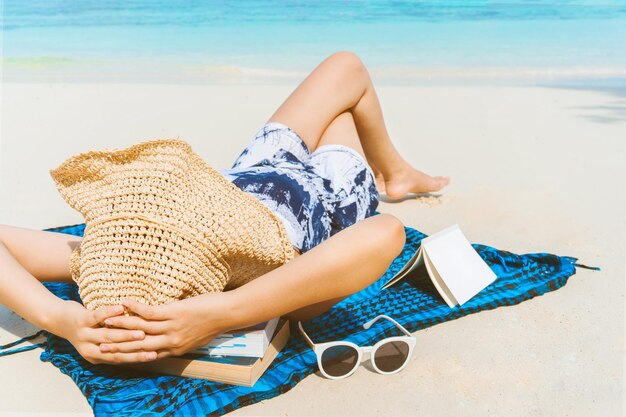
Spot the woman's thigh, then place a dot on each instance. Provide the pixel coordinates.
(334, 86)
(342, 131)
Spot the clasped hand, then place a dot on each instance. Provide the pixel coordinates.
(156, 332)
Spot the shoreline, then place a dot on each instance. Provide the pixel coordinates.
(51, 69)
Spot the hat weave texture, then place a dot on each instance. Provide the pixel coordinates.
(163, 225)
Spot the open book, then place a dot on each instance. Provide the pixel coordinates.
(455, 268)
(236, 370)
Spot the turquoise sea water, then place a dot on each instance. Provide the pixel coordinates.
(275, 41)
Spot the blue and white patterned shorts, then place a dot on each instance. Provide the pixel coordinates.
(315, 194)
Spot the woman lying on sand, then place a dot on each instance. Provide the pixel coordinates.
(331, 135)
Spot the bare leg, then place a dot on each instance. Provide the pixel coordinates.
(341, 83)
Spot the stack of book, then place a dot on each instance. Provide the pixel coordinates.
(238, 357)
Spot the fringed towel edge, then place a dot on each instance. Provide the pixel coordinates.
(5, 352)
(573, 260)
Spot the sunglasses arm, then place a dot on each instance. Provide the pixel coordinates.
(382, 316)
(306, 336)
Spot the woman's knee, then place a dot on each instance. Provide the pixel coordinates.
(391, 233)
(349, 63)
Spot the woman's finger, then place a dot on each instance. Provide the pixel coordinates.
(149, 343)
(106, 335)
(124, 347)
(99, 315)
(146, 311)
(136, 323)
(164, 354)
(92, 354)
(123, 358)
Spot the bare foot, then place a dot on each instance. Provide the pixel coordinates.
(413, 181)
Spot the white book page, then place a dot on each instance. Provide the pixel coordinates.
(461, 268)
(438, 282)
(269, 330)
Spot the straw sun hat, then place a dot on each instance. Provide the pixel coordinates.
(162, 225)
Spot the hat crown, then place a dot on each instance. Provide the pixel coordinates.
(161, 224)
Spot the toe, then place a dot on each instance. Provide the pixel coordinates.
(438, 183)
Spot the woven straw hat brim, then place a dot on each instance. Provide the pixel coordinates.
(163, 225)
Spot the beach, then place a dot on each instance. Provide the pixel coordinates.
(533, 169)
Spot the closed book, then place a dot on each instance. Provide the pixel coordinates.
(251, 341)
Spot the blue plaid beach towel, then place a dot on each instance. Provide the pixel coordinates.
(414, 302)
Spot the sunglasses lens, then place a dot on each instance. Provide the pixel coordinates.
(391, 356)
(339, 360)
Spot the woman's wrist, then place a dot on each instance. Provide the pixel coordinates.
(241, 309)
(226, 311)
(54, 318)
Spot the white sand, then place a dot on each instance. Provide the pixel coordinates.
(533, 170)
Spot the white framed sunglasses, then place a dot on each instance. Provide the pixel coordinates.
(340, 359)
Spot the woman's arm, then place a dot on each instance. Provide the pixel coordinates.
(42, 254)
(304, 287)
(338, 267)
(26, 253)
